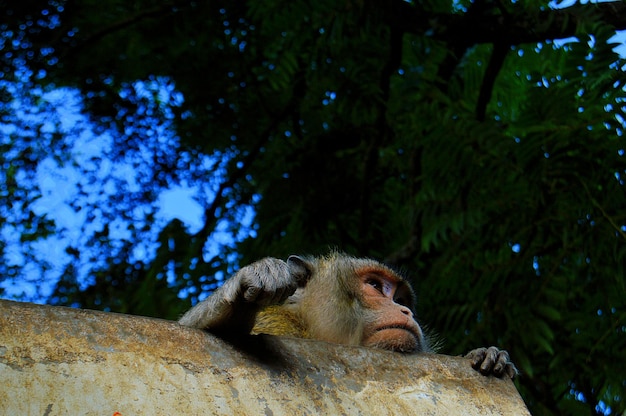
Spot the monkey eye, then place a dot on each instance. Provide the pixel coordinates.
(375, 283)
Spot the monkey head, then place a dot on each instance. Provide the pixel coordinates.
(357, 302)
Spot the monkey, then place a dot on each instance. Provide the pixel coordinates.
(334, 298)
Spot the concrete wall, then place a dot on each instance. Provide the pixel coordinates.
(62, 361)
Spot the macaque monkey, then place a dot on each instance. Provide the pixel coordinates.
(336, 298)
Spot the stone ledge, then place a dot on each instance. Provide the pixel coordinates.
(63, 361)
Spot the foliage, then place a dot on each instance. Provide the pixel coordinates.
(487, 164)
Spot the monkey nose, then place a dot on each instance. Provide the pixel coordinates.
(406, 311)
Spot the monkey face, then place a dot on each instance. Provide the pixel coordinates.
(390, 323)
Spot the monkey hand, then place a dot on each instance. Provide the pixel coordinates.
(267, 282)
(492, 361)
(233, 307)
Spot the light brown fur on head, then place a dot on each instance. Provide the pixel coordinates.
(332, 307)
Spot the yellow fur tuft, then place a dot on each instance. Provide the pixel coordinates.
(277, 320)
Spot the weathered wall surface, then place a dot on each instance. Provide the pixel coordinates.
(61, 361)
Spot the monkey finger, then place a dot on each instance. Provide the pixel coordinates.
(505, 366)
(476, 357)
(491, 357)
(276, 296)
(502, 360)
(492, 361)
(510, 370)
(251, 293)
(484, 359)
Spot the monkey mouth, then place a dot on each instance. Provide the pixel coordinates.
(406, 328)
(406, 341)
(410, 341)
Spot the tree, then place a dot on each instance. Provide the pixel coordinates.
(453, 139)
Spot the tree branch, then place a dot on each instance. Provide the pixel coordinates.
(246, 162)
(491, 73)
(487, 28)
(383, 132)
(128, 21)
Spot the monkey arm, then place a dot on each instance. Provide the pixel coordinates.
(220, 313)
(233, 307)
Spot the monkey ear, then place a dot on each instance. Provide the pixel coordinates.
(300, 269)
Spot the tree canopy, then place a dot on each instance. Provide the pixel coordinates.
(478, 145)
